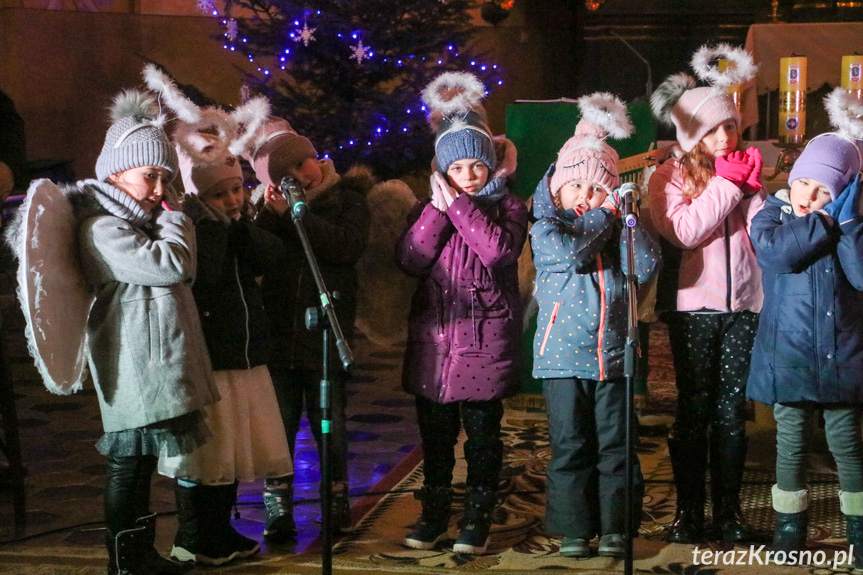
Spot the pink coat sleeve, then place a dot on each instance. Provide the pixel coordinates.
(688, 222)
(752, 206)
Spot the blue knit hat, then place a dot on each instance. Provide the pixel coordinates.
(459, 120)
(136, 137)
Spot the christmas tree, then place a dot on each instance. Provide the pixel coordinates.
(348, 73)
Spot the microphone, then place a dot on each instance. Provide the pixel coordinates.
(295, 196)
(630, 193)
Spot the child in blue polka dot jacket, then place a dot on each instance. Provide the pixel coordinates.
(580, 258)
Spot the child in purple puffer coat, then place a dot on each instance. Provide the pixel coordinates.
(465, 320)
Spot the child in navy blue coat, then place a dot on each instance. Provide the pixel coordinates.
(580, 257)
(808, 353)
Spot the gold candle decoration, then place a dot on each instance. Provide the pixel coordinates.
(734, 90)
(792, 99)
(852, 74)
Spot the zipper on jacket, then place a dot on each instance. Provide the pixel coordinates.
(473, 314)
(600, 337)
(548, 327)
(245, 309)
(727, 267)
(450, 324)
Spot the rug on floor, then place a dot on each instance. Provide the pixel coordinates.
(518, 541)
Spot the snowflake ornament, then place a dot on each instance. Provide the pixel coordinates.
(232, 31)
(206, 6)
(360, 53)
(305, 35)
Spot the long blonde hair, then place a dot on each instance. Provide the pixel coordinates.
(698, 167)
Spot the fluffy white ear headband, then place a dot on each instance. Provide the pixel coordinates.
(706, 66)
(741, 67)
(452, 94)
(249, 117)
(845, 113)
(608, 112)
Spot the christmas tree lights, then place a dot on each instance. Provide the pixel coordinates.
(348, 74)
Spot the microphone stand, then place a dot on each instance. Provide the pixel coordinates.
(630, 358)
(323, 318)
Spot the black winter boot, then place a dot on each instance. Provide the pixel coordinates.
(792, 518)
(854, 524)
(851, 503)
(154, 562)
(689, 464)
(341, 508)
(279, 501)
(205, 534)
(433, 524)
(727, 462)
(234, 545)
(479, 504)
(124, 552)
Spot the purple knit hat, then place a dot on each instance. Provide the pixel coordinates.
(586, 155)
(828, 159)
(834, 158)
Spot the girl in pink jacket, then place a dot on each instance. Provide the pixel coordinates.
(702, 203)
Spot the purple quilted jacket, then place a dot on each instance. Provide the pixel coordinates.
(465, 317)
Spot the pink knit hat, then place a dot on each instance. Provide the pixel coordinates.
(277, 148)
(210, 165)
(698, 111)
(586, 155)
(694, 111)
(208, 140)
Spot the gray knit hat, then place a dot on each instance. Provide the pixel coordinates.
(458, 120)
(136, 137)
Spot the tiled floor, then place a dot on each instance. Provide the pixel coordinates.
(65, 474)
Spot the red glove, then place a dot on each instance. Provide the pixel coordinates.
(736, 167)
(753, 184)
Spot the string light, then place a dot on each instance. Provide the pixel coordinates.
(284, 57)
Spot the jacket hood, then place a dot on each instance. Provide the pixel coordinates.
(542, 204)
(543, 207)
(780, 197)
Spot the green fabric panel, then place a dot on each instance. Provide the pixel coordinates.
(539, 130)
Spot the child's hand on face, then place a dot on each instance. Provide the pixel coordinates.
(612, 203)
(437, 198)
(441, 188)
(274, 200)
(736, 167)
(753, 183)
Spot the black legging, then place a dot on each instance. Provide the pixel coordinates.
(439, 427)
(711, 362)
(127, 490)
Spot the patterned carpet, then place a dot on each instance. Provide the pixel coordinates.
(63, 531)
